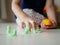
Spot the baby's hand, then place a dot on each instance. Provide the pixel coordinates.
(30, 21)
(52, 26)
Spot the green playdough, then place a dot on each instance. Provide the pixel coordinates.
(8, 30)
(9, 33)
(26, 29)
(14, 33)
(36, 31)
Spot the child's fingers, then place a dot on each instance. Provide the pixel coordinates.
(30, 26)
(34, 25)
(43, 26)
(54, 23)
(23, 25)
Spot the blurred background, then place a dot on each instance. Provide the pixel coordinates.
(6, 14)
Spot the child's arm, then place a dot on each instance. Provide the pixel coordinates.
(50, 11)
(17, 10)
(51, 14)
(24, 18)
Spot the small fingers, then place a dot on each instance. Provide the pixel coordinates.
(23, 25)
(34, 25)
(43, 26)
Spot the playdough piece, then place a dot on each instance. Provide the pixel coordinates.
(36, 31)
(14, 33)
(9, 33)
(26, 29)
(8, 30)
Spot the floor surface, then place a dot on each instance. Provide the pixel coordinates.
(48, 37)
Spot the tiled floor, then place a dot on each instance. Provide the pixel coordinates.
(48, 37)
